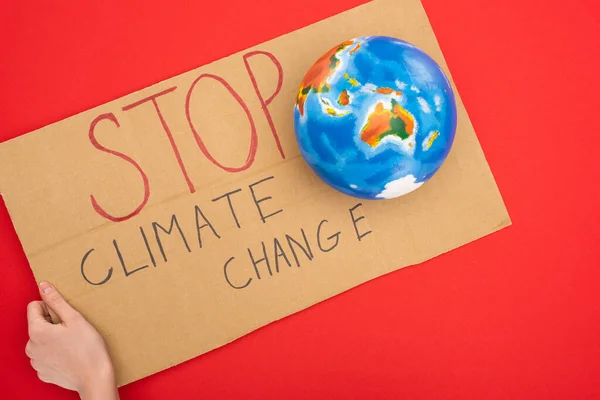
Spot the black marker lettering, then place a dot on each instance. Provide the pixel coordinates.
(306, 250)
(278, 250)
(335, 235)
(207, 223)
(227, 276)
(258, 201)
(228, 194)
(148, 246)
(83, 260)
(359, 236)
(127, 273)
(256, 262)
(174, 222)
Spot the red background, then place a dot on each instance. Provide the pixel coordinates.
(513, 315)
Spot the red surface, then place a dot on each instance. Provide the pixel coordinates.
(514, 315)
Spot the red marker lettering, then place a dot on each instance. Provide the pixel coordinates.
(97, 207)
(265, 102)
(167, 131)
(253, 135)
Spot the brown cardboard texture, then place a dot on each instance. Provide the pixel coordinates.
(182, 216)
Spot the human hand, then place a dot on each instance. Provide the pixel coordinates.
(71, 354)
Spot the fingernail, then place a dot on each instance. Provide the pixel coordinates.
(45, 287)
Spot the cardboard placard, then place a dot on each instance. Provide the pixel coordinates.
(192, 191)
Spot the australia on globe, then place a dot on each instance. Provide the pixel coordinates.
(375, 117)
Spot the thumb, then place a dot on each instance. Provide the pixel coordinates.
(56, 302)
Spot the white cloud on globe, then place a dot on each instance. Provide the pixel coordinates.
(368, 88)
(438, 102)
(399, 187)
(401, 85)
(424, 105)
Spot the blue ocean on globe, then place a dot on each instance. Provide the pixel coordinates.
(375, 117)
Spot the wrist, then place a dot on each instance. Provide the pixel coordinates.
(100, 385)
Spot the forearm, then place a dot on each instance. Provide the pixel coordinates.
(101, 387)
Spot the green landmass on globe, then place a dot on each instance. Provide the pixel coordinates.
(383, 122)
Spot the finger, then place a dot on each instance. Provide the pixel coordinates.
(36, 311)
(56, 302)
(34, 364)
(43, 378)
(28, 349)
(47, 315)
(46, 312)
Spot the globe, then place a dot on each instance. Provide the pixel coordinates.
(375, 117)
